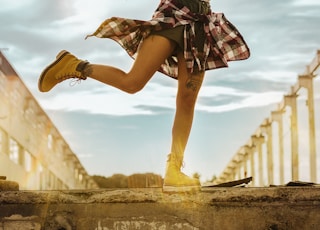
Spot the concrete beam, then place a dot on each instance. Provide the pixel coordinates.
(314, 65)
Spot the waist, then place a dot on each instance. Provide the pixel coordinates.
(197, 6)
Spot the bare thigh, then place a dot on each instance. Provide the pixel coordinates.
(152, 53)
(189, 84)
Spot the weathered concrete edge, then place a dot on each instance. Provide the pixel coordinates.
(8, 185)
(220, 208)
(216, 195)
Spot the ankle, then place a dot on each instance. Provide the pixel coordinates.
(85, 68)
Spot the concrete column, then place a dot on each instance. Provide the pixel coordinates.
(237, 162)
(245, 164)
(231, 173)
(249, 150)
(237, 169)
(291, 100)
(257, 142)
(266, 128)
(277, 116)
(5, 143)
(221, 178)
(306, 81)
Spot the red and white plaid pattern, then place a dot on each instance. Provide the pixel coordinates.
(223, 41)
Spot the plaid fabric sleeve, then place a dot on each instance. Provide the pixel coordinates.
(223, 42)
(231, 42)
(128, 33)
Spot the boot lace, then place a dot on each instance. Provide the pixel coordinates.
(75, 78)
(75, 81)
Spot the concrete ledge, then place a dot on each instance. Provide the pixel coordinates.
(8, 185)
(219, 208)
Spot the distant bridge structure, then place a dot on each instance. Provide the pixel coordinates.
(33, 152)
(284, 147)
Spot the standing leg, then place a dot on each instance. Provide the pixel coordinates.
(188, 89)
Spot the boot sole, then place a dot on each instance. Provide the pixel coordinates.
(44, 72)
(173, 189)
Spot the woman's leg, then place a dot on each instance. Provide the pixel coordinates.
(188, 89)
(152, 53)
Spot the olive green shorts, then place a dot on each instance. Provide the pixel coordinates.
(176, 34)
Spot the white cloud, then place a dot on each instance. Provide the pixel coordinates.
(275, 76)
(214, 91)
(306, 3)
(249, 101)
(13, 5)
(88, 155)
(112, 102)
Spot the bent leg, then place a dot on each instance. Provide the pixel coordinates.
(152, 53)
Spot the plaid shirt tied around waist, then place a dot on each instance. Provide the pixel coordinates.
(223, 41)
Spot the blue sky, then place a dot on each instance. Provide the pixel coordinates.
(113, 132)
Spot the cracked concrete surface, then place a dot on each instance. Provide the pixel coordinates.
(218, 208)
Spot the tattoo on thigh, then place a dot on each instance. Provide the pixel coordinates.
(194, 83)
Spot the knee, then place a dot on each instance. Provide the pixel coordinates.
(133, 87)
(188, 90)
(187, 100)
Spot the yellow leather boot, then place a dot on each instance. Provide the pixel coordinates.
(175, 180)
(65, 66)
